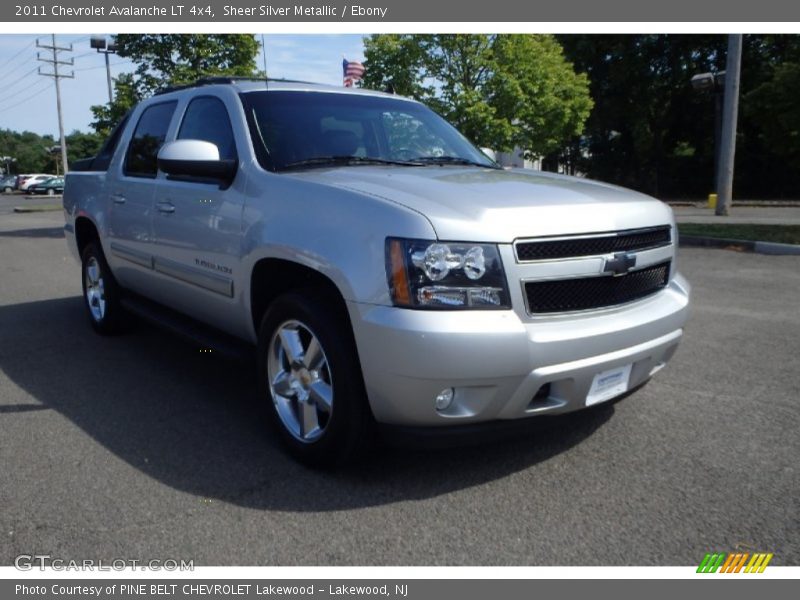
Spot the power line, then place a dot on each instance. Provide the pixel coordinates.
(25, 76)
(121, 62)
(14, 95)
(85, 54)
(28, 45)
(2, 110)
(20, 64)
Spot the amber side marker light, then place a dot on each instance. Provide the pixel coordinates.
(400, 288)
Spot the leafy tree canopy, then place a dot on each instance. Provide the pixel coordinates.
(33, 152)
(501, 91)
(172, 59)
(652, 131)
(774, 109)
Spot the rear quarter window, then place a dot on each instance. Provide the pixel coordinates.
(141, 159)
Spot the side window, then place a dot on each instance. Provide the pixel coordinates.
(207, 119)
(103, 158)
(151, 130)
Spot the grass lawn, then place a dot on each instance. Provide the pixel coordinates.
(783, 234)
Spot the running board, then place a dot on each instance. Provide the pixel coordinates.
(207, 338)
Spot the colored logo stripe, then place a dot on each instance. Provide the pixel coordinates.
(711, 562)
(758, 563)
(733, 562)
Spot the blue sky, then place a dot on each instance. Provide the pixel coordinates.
(28, 101)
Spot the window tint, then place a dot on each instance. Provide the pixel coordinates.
(151, 130)
(103, 158)
(292, 127)
(207, 119)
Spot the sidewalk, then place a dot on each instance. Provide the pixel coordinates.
(741, 215)
(762, 215)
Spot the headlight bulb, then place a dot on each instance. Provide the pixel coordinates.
(474, 263)
(437, 261)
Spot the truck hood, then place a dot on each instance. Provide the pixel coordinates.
(492, 205)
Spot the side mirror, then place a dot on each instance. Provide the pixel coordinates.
(195, 159)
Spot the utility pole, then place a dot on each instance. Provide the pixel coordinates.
(729, 120)
(57, 76)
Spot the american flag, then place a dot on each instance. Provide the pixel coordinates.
(352, 71)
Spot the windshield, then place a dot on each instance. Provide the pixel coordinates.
(312, 129)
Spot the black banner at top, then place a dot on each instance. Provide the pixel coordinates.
(232, 11)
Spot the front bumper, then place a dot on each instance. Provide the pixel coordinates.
(497, 361)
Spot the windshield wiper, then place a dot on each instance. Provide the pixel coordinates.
(452, 160)
(321, 161)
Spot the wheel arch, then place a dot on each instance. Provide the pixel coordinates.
(272, 277)
(86, 231)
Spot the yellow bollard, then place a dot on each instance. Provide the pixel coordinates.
(712, 201)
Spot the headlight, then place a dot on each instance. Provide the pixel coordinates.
(445, 275)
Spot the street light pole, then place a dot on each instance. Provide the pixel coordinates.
(718, 94)
(108, 78)
(729, 119)
(714, 83)
(99, 44)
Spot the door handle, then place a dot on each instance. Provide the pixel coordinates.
(165, 207)
(118, 199)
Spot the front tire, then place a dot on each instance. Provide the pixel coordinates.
(101, 293)
(310, 379)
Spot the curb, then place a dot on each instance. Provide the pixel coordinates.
(35, 209)
(772, 248)
(737, 203)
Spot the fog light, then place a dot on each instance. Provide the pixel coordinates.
(445, 399)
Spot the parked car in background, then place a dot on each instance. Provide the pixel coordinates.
(33, 180)
(8, 184)
(51, 187)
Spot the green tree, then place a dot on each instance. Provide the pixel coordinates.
(501, 91)
(766, 152)
(82, 145)
(31, 150)
(775, 106)
(651, 131)
(646, 109)
(172, 59)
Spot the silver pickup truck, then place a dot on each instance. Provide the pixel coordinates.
(384, 269)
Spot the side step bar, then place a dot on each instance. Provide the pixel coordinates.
(198, 333)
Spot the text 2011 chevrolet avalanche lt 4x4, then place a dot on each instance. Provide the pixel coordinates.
(386, 270)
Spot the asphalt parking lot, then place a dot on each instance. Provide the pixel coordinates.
(140, 447)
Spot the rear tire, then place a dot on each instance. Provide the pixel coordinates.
(310, 379)
(101, 293)
(51, 192)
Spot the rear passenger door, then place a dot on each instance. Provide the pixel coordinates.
(131, 192)
(197, 223)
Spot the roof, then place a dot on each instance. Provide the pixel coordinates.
(248, 84)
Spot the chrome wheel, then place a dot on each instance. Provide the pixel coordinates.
(299, 380)
(95, 289)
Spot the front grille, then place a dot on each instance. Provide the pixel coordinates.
(622, 241)
(564, 295)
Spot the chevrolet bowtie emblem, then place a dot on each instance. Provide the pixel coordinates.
(621, 264)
